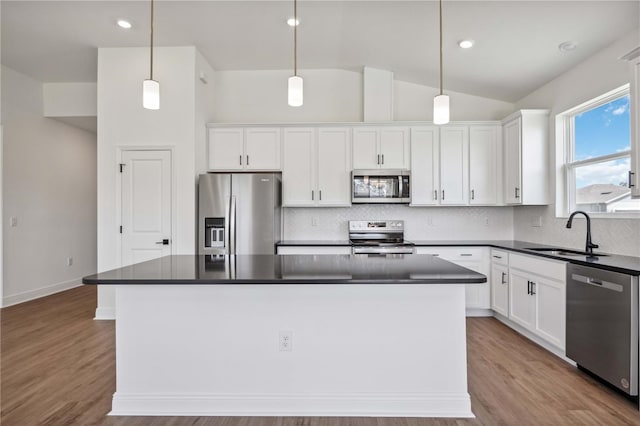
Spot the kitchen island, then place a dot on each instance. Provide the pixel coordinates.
(291, 335)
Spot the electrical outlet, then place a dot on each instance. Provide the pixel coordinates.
(13, 221)
(286, 341)
(69, 261)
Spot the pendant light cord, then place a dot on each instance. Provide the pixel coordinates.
(151, 44)
(440, 47)
(295, 37)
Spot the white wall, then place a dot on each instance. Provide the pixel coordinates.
(50, 186)
(332, 95)
(70, 99)
(124, 124)
(597, 75)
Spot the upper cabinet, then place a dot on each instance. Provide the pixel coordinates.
(455, 165)
(381, 148)
(526, 159)
(485, 154)
(255, 148)
(634, 174)
(316, 167)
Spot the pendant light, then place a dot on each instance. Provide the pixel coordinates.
(150, 87)
(441, 102)
(295, 81)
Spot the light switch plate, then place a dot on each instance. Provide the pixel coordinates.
(13, 221)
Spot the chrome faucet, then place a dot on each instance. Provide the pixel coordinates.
(589, 246)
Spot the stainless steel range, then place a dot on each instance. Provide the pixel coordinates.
(378, 237)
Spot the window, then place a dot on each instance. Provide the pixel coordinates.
(598, 156)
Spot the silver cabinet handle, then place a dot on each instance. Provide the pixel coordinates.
(164, 242)
(241, 160)
(312, 195)
(517, 195)
(473, 194)
(320, 194)
(504, 278)
(443, 195)
(378, 158)
(382, 158)
(497, 257)
(533, 288)
(435, 194)
(247, 160)
(466, 254)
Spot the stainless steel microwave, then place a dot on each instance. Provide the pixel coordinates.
(380, 186)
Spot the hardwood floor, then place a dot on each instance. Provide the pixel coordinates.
(58, 368)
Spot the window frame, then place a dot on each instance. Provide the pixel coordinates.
(566, 164)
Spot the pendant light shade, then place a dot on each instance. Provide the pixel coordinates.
(295, 91)
(151, 94)
(441, 102)
(150, 87)
(441, 109)
(295, 97)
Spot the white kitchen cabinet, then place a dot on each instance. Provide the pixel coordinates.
(634, 94)
(317, 167)
(500, 282)
(425, 165)
(313, 250)
(381, 148)
(255, 149)
(478, 296)
(299, 167)
(537, 295)
(484, 165)
(526, 149)
(454, 165)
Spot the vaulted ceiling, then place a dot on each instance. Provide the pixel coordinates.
(516, 47)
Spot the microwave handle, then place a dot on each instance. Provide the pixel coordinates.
(400, 184)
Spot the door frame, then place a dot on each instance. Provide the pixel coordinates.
(120, 149)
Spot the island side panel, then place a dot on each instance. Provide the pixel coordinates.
(357, 350)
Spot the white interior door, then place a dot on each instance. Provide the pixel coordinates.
(146, 205)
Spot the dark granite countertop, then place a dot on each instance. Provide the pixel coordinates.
(292, 269)
(611, 262)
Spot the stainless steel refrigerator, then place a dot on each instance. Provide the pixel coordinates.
(239, 213)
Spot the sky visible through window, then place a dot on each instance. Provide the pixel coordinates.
(601, 131)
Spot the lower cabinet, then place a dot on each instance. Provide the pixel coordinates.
(478, 296)
(500, 288)
(313, 250)
(537, 295)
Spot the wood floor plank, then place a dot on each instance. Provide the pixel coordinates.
(58, 368)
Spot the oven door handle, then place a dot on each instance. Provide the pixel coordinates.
(382, 250)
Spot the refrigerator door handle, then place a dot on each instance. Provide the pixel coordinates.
(227, 228)
(232, 226)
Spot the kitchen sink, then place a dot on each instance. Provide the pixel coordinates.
(563, 252)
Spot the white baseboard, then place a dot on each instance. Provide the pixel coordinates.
(341, 405)
(479, 312)
(105, 313)
(26, 296)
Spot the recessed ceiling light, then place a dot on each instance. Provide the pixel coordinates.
(466, 44)
(292, 22)
(122, 23)
(567, 46)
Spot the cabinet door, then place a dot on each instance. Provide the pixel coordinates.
(454, 165)
(550, 310)
(394, 148)
(226, 149)
(512, 162)
(521, 303)
(483, 165)
(298, 172)
(334, 167)
(500, 289)
(365, 148)
(424, 166)
(262, 148)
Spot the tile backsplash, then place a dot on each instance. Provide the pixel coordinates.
(421, 223)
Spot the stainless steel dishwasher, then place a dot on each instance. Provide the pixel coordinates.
(602, 324)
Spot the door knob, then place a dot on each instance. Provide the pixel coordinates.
(164, 242)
